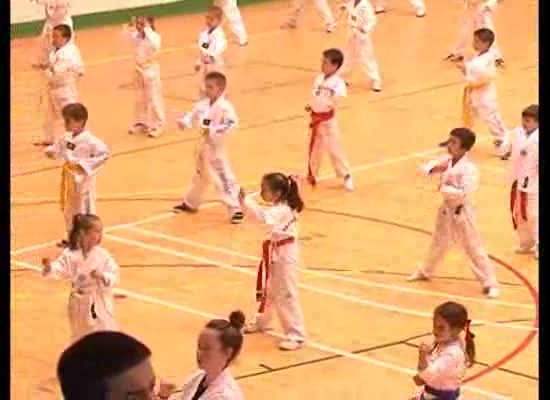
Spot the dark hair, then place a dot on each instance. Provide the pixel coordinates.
(466, 136)
(81, 223)
(335, 56)
(217, 77)
(231, 336)
(287, 186)
(151, 20)
(531, 111)
(75, 111)
(65, 31)
(487, 36)
(456, 316)
(217, 11)
(86, 366)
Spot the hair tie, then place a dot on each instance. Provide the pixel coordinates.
(469, 333)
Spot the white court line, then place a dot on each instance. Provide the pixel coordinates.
(159, 217)
(315, 345)
(362, 282)
(22, 200)
(314, 289)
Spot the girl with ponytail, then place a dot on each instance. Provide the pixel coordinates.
(442, 365)
(92, 272)
(219, 343)
(276, 282)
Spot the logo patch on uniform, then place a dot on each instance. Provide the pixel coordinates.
(70, 145)
(523, 152)
(353, 18)
(205, 45)
(206, 122)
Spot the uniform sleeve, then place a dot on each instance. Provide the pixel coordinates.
(456, 187)
(71, 61)
(153, 37)
(90, 165)
(491, 4)
(190, 117)
(265, 215)
(340, 89)
(129, 33)
(228, 122)
(437, 369)
(477, 74)
(110, 271)
(56, 149)
(61, 267)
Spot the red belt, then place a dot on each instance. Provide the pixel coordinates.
(264, 270)
(522, 204)
(316, 120)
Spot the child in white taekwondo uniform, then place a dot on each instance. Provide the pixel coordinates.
(418, 5)
(63, 69)
(216, 118)
(219, 343)
(524, 195)
(149, 106)
(359, 48)
(442, 364)
(325, 133)
(57, 12)
(480, 96)
(298, 7)
(455, 222)
(478, 14)
(234, 18)
(84, 154)
(212, 45)
(276, 284)
(92, 272)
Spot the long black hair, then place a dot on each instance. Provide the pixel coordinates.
(81, 223)
(230, 330)
(287, 186)
(456, 316)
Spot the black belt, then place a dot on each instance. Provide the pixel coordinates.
(442, 394)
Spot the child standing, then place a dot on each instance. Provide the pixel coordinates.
(478, 15)
(212, 44)
(84, 154)
(455, 219)
(524, 200)
(149, 107)
(480, 96)
(216, 118)
(63, 69)
(233, 15)
(359, 49)
(327, 89)
(298, 7)
(442, 365)
(418, 5)
(57, 12)
(277, 281)
(93, 273)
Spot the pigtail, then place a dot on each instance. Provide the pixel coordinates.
(75, 232)
(293, 198)
(470, 345)
(151, 20)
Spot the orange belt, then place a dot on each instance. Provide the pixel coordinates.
(467, 112)
(68, 184)
(316, 120)
(262, 278)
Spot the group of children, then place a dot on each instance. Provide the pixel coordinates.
(93, 272)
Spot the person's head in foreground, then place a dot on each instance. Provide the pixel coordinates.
(214, 17)
(75, 116)
(214, 85)
(530, 118)
(279, 188)
(61, 35)
(483, 40)
(450, 319)
(219, 343)
(106, 365)
(461, 140)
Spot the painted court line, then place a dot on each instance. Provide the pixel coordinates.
(166, 215)
(361, 282)
(315, 345)
(314, 289)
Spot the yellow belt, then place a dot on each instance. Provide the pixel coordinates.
(68, 184)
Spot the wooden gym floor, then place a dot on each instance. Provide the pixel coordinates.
(362, 318)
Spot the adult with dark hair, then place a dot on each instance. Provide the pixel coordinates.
(219, 343)
(106, 365)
